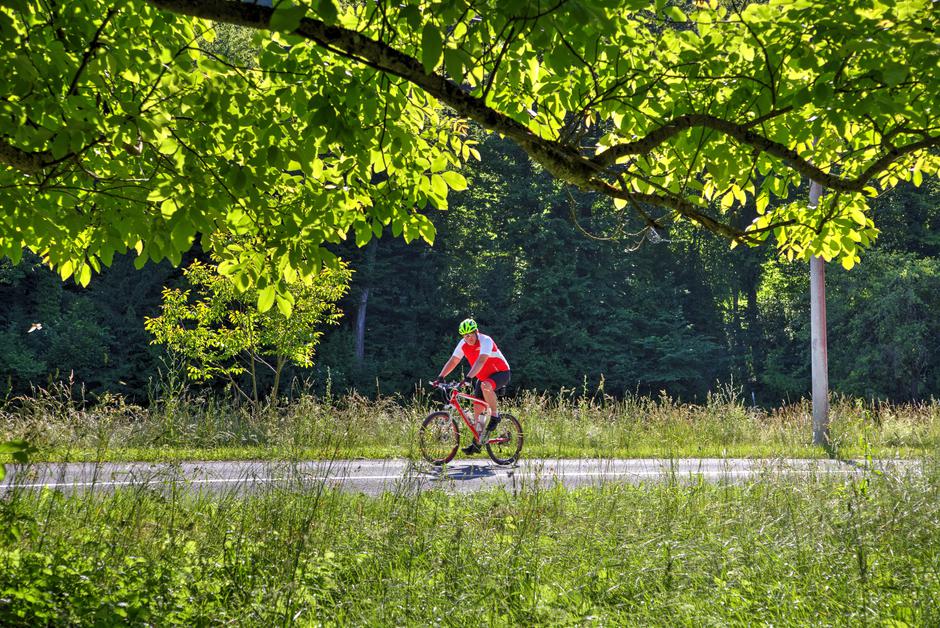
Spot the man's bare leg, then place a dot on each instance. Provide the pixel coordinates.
(490, 396)
(479, 417)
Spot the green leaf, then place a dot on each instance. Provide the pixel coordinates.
(285, 303)
(438, 187)
(427, 230)
(894, 74)
(412, 15)
(66, 269)
(363, 233)
(327, 11)
(431, 43)
(286, 17)
(13, 446)
(181, 235)
(727, 200)
(455, 180)
(19, 450)
(439, 163)
(266, 298)
(761, 202)
(676, 14)
(84, 275)
(453, 62)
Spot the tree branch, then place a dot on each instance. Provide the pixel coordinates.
(93, 46)
(24, 161)
(745, 135)
(681, 205)
(555, 157)
(563, 162)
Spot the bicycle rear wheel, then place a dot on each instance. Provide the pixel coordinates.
(438, 438)
(505, 443)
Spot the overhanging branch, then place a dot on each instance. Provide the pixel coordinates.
(386, 58)
(24, 161)
(678, 203)
(562, 161)
(744, 134)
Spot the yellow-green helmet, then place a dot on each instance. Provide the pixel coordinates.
(468, 326)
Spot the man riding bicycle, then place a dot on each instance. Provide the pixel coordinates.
(491, 370)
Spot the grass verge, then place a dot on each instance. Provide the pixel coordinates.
(774, 551)
(189, 427)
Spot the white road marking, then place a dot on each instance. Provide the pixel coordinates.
(422, 475)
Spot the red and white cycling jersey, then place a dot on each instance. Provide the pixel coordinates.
(485, 345)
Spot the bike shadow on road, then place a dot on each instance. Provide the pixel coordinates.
(467, 471)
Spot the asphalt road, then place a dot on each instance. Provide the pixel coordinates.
(377, 476)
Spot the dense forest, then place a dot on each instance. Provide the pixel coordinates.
(573, 302)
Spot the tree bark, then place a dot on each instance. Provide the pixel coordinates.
(361, 326)
(754, 333)
(281, 360)
(254, 381)
(364, 302)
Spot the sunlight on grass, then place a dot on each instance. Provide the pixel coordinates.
(193, 427)
(772, 551)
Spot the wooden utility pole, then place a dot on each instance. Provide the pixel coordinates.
(818, 346)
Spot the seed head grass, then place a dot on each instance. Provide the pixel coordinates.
(64, 426)
(772, 551)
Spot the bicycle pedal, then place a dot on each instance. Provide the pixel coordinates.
(472, 448)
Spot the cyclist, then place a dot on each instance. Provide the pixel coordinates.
(491, 370)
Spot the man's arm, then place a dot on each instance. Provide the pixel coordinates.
(450, 366)
(478, 365)
(486, 348)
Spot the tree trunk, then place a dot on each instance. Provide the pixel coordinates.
(281, 361)
(361, 326)
(363, 303)
(254, 381)
(754, 331)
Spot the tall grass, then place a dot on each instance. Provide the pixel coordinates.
(774, 551)
(186, 424)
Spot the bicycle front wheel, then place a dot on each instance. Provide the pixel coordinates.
(438, 438)
(505, 443)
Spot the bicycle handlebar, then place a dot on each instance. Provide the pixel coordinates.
(447, 385)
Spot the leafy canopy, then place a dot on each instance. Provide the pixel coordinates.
(119, 130)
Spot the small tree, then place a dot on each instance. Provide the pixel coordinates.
(224, 331)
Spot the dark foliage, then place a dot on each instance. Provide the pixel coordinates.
(568, 310)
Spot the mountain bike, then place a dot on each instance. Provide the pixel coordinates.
(439, 434)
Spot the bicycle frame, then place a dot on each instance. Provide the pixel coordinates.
(454, 402)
